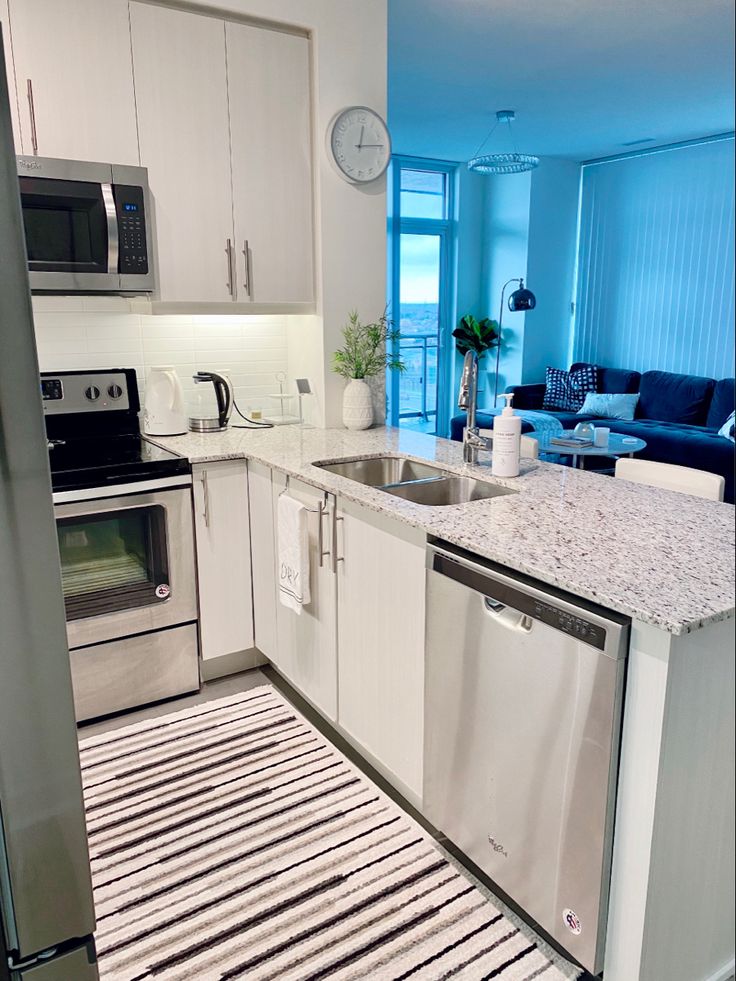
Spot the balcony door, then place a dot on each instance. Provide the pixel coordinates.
(420, 251)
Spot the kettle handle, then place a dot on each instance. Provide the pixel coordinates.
(225, 396)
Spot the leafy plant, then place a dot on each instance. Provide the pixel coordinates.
(366, 351)
(476, 335)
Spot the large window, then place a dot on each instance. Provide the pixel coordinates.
(420, 250)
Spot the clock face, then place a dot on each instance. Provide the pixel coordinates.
(360, 144)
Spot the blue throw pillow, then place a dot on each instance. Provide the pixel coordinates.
(727, 429)
(566, 390)
(610, 406)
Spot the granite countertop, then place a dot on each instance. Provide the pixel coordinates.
(657, 556)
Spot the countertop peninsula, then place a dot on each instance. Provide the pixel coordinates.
(658, 556)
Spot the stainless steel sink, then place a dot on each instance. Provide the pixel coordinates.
(420, 483)
(382, 470)
(448, 491)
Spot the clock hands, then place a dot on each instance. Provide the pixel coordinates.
(359, 144)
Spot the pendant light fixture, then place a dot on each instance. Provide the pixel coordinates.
(502, 163)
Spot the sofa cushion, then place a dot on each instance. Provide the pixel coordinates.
(612, 380)
(611, 406)
(566, 390)
(668, 397)
(722, 404)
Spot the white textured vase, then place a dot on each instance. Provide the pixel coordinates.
(357, 405)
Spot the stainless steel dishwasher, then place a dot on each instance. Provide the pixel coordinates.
(523, 701)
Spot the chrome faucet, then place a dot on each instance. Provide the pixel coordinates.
(468, 399)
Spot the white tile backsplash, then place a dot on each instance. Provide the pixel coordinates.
(92, 332)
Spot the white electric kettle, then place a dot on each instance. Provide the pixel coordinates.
(163, 407)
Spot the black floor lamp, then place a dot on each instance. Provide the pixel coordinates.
(520, 299)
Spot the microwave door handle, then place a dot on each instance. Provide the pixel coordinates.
(112, 228)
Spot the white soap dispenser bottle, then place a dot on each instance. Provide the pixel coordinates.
(506, 441)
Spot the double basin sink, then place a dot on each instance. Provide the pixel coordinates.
(420, 483)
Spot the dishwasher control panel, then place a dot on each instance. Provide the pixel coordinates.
(576, 626)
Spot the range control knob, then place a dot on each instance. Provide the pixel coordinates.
(114, 391)
(92, 393)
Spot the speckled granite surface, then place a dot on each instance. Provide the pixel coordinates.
(658, 556)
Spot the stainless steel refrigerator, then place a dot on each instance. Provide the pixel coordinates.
(46, 909)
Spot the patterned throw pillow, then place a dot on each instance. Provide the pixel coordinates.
(566, 390)
(727, 429)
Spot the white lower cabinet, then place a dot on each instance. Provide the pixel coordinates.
(222, 529)
(381, 590)
(263, 553)
(307, 642)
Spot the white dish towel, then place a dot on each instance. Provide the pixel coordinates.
(293, 557)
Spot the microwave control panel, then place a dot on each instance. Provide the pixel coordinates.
(131, 212)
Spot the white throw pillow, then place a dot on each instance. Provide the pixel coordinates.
(609, 406)
(727, 429)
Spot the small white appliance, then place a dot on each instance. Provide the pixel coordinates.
(164, 413)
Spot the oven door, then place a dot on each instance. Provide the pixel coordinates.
(127, 564)
(71, 226)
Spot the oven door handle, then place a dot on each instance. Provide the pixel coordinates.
(113, 242)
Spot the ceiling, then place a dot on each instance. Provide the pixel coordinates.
(584, 76)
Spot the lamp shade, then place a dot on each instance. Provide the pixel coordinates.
(522, 299)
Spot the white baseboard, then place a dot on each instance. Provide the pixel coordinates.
(221, 667)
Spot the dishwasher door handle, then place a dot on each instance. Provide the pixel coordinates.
(506, 617)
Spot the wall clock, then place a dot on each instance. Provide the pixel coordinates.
(359, 144)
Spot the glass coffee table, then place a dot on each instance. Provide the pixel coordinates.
(616, 446)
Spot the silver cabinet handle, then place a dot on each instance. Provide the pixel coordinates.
(335, 521)
(206, 491)
(230, 278)
(246, 266)
(322, 512)
(32, 111)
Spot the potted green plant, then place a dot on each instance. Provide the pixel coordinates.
(365, 353)
(476, 335)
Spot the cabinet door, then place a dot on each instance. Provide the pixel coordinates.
(12, 91)
(263, 552)
(77, 55)
(381, 587)
(222, 528)
(269, 93)
(307, 642)
(181, 98)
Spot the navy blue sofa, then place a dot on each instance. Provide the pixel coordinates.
(677, 415)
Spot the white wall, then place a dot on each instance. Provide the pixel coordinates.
(508, 200)
(553, 219)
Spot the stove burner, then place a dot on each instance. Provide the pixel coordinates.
(95, 444)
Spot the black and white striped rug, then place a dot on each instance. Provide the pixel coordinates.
(231, 840)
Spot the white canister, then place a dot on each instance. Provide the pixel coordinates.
(600, 436)
(163, 408)
(357, 405)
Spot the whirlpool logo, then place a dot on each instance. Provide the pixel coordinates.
(497, 846)
(29, 164)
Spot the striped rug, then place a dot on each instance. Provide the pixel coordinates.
(231, 840)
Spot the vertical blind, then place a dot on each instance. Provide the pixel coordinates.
(656, 261)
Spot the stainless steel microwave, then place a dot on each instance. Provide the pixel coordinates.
(87, 226)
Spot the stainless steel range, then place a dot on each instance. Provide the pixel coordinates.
(124, 522)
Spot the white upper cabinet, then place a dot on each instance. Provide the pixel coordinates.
(181, 95)
(12, 92)
(269, 96)
(76, 55)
